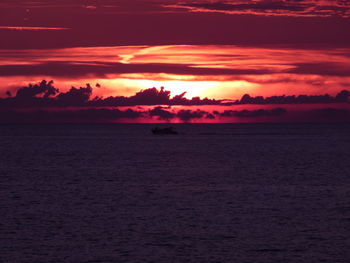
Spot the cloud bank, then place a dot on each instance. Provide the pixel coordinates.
(43, 103)
(45, 95)
(169, 115)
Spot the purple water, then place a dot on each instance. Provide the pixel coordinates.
(213, 193)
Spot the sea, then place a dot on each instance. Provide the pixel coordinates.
(103, 193)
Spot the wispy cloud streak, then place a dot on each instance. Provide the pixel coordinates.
(31, 28)
(300, 8)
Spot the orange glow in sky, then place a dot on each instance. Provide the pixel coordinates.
(217, 71)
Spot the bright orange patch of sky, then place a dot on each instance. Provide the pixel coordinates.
(248, 65)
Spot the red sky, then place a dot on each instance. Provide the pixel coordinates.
(215, 49)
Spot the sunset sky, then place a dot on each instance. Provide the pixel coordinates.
(215, 49)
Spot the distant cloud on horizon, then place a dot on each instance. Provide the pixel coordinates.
(43, 103)
(45, 95)
(187, 115)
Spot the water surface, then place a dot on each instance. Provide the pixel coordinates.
(213, 193)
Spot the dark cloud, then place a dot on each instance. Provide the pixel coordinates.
(75, 96)
(341, 97)
(323, 69)
(44, 88)
(264, 6)
(107, 115)
(80, 69)
(330, 114)
(151, 97)
(104, 115)
(45, 95)
(273, 7)
(188, 115)
(161, 113)
(253, 113)
(67, 116)
(98, 69)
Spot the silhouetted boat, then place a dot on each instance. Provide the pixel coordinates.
(164, 131)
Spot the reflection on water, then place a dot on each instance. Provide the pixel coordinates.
(213, 193)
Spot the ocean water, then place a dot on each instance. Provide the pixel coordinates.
(213, 193)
